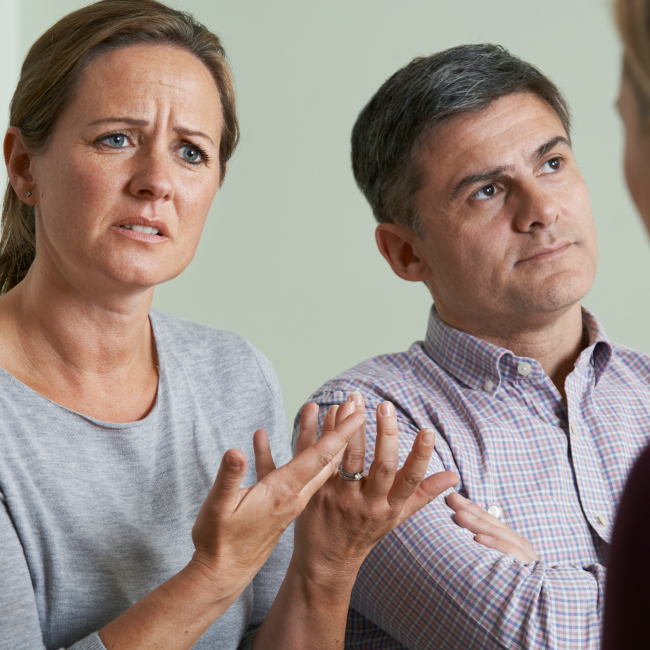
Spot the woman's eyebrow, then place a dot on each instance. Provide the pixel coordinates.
(131, 122)
(121, 120)
(199, 134)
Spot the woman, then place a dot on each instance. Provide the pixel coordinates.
(115, 418)
(627, 599)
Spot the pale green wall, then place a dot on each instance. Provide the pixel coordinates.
(288, 258)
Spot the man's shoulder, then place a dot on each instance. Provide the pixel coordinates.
(628, 363)
(379, 378)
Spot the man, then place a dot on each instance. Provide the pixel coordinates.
(465, 158)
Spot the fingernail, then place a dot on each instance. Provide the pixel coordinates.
(428, 436)
(333, 409)
(386, 408)
(356, 398)
(487, 538)
(233, 462)
(469, 515)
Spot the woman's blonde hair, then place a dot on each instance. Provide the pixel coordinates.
(633, 22)
(48, 79)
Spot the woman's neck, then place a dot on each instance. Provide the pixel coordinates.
(89, 349)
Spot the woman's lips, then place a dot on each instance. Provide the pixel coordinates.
(140, 236)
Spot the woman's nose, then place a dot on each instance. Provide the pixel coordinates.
(152, 178)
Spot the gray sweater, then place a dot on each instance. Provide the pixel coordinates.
(95, 515)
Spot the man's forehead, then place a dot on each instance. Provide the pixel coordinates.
(507, 132)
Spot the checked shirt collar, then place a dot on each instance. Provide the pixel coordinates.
(479, 364)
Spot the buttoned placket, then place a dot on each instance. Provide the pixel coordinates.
(594, 496)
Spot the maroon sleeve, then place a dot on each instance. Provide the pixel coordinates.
(627, 594)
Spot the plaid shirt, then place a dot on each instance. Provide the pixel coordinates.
(556, 472)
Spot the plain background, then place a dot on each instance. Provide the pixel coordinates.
(288, 258)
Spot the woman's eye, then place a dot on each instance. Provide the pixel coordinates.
(486, 192)
(552, 165)
(116, 140)
(191, 154)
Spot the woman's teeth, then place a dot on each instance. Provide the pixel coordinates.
(145, 229)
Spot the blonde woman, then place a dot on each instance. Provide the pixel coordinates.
(115, 419)
(627, 600)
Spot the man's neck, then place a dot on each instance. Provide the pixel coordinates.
(555, 342)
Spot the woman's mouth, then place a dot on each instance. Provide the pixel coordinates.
(148, 230)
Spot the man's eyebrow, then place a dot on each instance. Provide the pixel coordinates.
(501, 172)
(484, 177)
(547, 146)
(131, 122)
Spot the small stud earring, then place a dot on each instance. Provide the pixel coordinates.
(28, 193)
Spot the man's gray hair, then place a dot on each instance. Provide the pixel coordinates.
(429, 90)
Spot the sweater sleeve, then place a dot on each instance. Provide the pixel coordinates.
(266, 583)
(20, 627)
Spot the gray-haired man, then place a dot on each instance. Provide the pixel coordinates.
(465, 158)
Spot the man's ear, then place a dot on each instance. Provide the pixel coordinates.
(401, 248)
(18, 162)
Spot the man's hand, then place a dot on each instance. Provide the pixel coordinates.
(488, 530)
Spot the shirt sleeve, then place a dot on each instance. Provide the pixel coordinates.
(429, 584)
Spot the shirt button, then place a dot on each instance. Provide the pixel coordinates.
(524, 368)
(575, 431)
(601, 520)
(494, 510)
(488, 386)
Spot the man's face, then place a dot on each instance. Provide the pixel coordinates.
(509, 233)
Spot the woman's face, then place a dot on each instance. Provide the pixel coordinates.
(137, 147)
(637, 149)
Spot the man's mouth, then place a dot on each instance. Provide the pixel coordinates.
(547, 253)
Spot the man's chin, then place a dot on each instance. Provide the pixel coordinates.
(554, 292)
(545, 300)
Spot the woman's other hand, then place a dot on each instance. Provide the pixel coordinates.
(346, 518)
(237, 528)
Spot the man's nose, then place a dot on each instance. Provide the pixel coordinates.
(152, 178)
(538, 208)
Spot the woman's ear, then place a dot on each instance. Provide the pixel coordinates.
(402, 249)
(18, 162)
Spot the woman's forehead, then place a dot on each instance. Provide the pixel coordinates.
(142, 80)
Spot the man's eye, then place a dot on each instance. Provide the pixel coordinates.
(116, 140)
(552, 165)
(486, 192)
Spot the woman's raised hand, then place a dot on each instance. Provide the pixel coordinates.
(346, 518)
(237, 528)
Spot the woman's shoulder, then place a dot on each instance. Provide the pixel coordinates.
(210, 352)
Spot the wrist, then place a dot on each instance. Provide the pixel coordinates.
(210, 583)
(325, 584)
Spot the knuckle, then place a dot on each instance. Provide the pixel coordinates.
(385, 468)
(414, 479)
(325, 457)
(355, 456)
(422, 455)
(227, 482)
